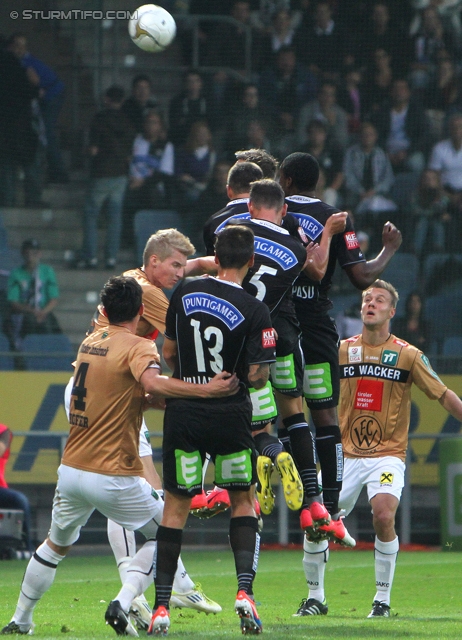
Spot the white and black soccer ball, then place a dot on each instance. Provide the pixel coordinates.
(151, 28)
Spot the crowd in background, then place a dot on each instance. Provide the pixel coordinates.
(371, 88)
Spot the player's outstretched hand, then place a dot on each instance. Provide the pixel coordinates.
(223, 384)
(336, 223)
(391, 236)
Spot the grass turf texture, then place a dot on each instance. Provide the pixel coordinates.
(425, 599)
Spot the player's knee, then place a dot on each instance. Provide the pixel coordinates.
(383, 520)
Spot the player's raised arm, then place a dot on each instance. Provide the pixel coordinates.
(317, 255)
(363, 274)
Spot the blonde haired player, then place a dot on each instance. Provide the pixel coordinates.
(377, 370)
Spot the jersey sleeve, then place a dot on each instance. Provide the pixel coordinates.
(261, 343)
(143, 354)
(347, 246)
(426, 378)
(155, 307)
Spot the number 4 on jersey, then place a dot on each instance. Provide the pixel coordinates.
(79, 389)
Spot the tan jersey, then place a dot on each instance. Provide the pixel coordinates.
(155, 306)
(375, 395)
(106, 402)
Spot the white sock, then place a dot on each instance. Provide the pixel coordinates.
(385, 561)
(37, 580)
(123, 546)
(139, 575)
(182, 583)
(315, 557)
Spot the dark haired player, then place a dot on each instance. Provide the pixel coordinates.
(213, 325)
(299, 173)
(101, 468)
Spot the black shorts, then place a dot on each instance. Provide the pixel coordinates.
(219, 428)
(287, 371)
(320, 343)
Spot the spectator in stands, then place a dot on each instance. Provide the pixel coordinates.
(326, 109)
(382, 32)
(348, 321)
(228, 42)
(412, 327)
(446, 159)
(32, 293)
(51, 96)
(377, 82)
(262, 18)
(280, 34)
(330, 159)
(141, 100)
(403, 129)
(9, 498)
(429, 40)
(444, 91)
(194, 162)
(326, 47)
(448, 10)
(188, 107)
(18, 140)
(111, 141)
(368, 180)
(213, 198)
(429, 205)
(286, 86)
(351, 98)
(152, 167)
(250, 108)
(257, 136)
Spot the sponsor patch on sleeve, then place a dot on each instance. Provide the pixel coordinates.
(369, 395)
(268, 339)
(351, 240)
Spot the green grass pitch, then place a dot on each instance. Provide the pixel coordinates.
(426, 600)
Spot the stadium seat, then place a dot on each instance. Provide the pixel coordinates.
(9, 260)
(434, 260)
(6, 362)
(46, 344)
(148, 221)
(443, 312)
(403, 187)
(452, 346)
(403, 273)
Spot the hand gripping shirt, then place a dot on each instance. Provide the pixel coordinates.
(107, 398)
(375, 395)
(155, 306)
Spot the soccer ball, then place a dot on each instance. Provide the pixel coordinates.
(151, 28)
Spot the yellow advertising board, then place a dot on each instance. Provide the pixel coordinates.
(33, 403)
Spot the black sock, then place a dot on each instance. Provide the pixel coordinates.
(268, 445)
(330, 454)
(303, 452)
(283, 436)
(166, 563)
(245, 543)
